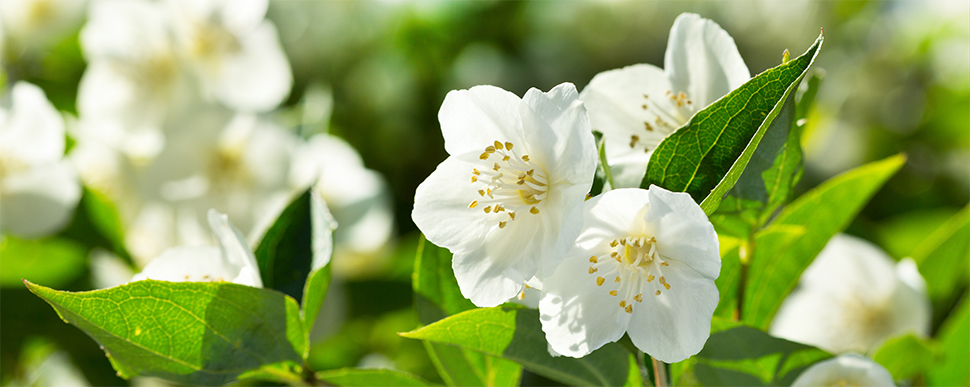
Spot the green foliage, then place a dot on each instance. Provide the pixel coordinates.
(515, 334)
(355, 377)
(187, 332)
(707, 156)
(55, 261)
(436, 296)
(907, 356)
(313, 294)
(955, 336)
(285, 253)
(778, 260)
(943, 260)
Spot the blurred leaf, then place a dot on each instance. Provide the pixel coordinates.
(357, 377)
(943, 258)
(314, 293)
(515, 334)
(823, 212)
(901, 234)
(96, 223)
(745, 356)
(727, 283)
(955, 336)
(56, 261)
(285, 252)
(436, 296)
(713, 148)
(187, 332)
(906, 356)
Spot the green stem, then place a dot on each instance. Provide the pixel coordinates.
(607, 172)
(659, 373)
(745, 253)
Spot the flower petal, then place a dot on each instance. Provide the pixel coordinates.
(39, 201)
(563, 132)
(472, 119)
(322, 226)
(675, 325)
(257, 78)
(235, 250)
(441, 206)
(187, 263)
(850, 369)
(702, 60)
(494, 272)
(32, 131)
(577, 315)
(683, 231)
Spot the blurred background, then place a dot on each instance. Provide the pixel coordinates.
(352, 89)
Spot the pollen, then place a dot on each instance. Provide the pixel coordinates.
(506, 158)
(622, 303)
(481, 192)
(629, 309)
(484, 156)
(496, 167)
(490, 149)
(647, 126)
(473, 204)
(614, 243)
(600, 281)
(593, 259)
(475, 171)
(666, 286)
(525, 158)
(617, 279)
(508, 145)
(664, 263)
(534, 210)
(657, 293)
(593, 270)
(502, 224)
(638, 297)
(498, 145)
(488, 210)
(613, 292)
(511, 215)
(474, 178)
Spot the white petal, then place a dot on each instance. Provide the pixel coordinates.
(683, 231)
(702, 60)
(845, 370)
(235, 250)
(124, 29)
(322, 226)
(562, 221)
(495, 271)
(32, 131)
(184, 263)
(258, 77)
(472, 119)
(577, 315)
(39, 201)
(813, 318)
(441, 207)
(675, 325)
(562, 130)
(614, 214)
(848, 265)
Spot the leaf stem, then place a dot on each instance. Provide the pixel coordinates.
(607, 172)
(659, 373)
(745, 253)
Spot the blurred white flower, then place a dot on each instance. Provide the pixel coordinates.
(358, 197)
(35, 25)
(637, 106)
(644, 264)
(852, 297)
(508, 200)
(845, 370)
(38, 189)
(235, 54)
(233, 261)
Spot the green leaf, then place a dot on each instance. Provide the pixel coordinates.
(56, 261)
(436, 296)
(727, 281)
(187, 332)
(351, 377)
(744, 356)
(955, 336)
(294, 253)
(823, 212)
(96, 223)
(942, 260)
(707, 155)
(906, 356)
(515, 334)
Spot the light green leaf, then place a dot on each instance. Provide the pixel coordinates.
(823, 212)
(744, 356)
(351, 377)
(955, 336)
(706, 156)
(187, 332)
(906, 356)
(313, 294)
(943, 261)
(436, 296)
(56, 261)
(515, 334)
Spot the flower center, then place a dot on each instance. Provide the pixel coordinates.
(666, 118)
(632, 263)
(512, 184)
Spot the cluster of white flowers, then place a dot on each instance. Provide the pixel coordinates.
(510, 201)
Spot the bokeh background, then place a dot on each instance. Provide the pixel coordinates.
(896, 79)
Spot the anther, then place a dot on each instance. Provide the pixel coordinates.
(525, 158)
(614, 243)
(488, 209)
(496, 167)
(501, 224)
(629, 309)
(498, 145)
(474, 178)
(646, 125)
(593, 270)
(484, 156)
(593, 259)
(666, 286)
(530, 172)
(663, 280)
(534, 211)
(490, 149)
(657, 293)
(644, 106)
(481, 192)
(638, 297)
(664, 263)
(617, 279)
(511, 215)
(600, 281)
(508, 145)
(499, 208)
(614, 254)
(506, 158)
(650, 278)
(622, 303)
(613, 292)
(476, 171)
(473, 204)
(623, 241)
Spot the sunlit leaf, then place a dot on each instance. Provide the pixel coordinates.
(955, 336)
(54, 261)
(906, 356)
(357, 377)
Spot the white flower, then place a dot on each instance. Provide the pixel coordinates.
(508, 200)
(358, 197)
(644, 264)
(38, 189)
(32, 26)
(235, 54)
(636, 107)
(845, 370)
(232, 261)
(852, 297)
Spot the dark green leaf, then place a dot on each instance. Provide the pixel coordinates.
(515, 334)
(706, 156)
(906, 356)
(744, 356)
(357, 377)
(285, 252)
(56, 261)
(955, 335)
(187, 332)
(823, 212)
